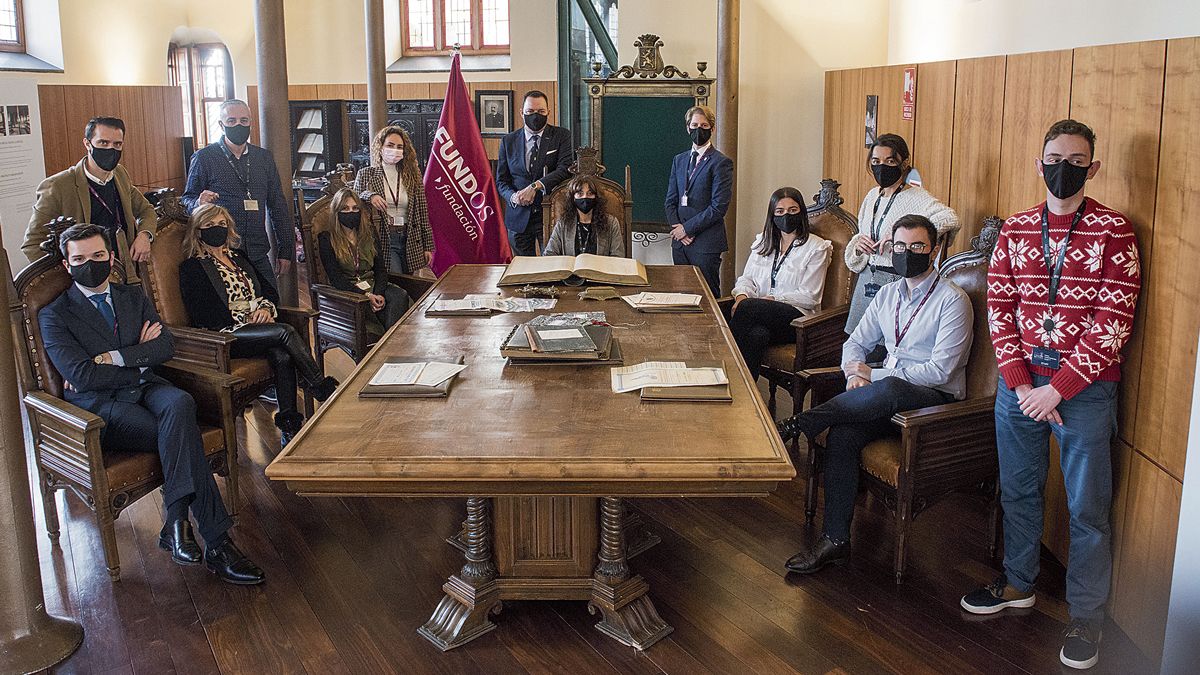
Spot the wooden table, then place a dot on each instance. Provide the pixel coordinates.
(543, 454)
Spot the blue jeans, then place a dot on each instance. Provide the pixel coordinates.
(1084, 440)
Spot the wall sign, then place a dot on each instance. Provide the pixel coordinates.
(909, 106)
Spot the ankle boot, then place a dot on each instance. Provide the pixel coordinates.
(323, 388)
(289, 424)
(795, 425)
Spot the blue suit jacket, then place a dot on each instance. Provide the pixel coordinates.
(556, 153)
(74, 332)
(708, 199)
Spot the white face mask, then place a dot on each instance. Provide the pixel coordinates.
(391, 155)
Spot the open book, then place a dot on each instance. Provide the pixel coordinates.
(550, 268)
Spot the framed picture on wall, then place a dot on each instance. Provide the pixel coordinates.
(872, 119)
(495, 111)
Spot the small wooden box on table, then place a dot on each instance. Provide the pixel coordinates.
(543, 454)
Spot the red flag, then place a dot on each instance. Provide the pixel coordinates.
(464, 208)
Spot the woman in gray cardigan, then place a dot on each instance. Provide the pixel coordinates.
(586, 228)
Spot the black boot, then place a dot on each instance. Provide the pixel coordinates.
(289, 423)
(177, 538)
(795, 425)
(826, 552)
(323, 389)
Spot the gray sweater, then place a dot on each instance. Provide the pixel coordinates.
(609, 238)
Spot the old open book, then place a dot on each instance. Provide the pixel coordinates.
(550, 268)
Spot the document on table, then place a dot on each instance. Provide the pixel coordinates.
(662, 300)
(664, 374)
(491, 302)
(427, 374)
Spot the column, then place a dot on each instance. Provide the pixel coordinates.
(728, 60)
(376, 68)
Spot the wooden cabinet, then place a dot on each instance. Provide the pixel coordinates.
(418, 118)
(318, 136)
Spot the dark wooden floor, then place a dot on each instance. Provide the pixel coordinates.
(350, 580)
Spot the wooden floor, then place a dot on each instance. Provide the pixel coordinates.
(350, 580)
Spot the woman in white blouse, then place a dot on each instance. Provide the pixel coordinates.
(784, 279)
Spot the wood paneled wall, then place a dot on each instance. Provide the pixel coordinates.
(977, 134)
(153, 126)
(398, 91)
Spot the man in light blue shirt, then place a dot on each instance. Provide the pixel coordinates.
(926, 323)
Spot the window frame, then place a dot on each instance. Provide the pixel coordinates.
(19, 45)
(439, 47)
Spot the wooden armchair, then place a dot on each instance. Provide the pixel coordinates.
(617, 201)
(939, 449)
(342, 316)
(204, 348)
(66, 438)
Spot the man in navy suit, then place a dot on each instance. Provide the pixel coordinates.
(698, 194)
(533, 160)
(105, 339)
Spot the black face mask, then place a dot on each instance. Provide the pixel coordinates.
(105, 158)
(215, 236)
(238, 134)
(350, 219)
(788, 222)
(92, 273)
(700, 136)
(585, 204)
(1064, 179)
(909, 264)
(886, 175)
(535, 121)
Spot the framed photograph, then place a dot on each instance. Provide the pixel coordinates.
(872, 119)
(495, 112)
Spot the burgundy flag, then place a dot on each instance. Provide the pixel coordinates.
(464, 208)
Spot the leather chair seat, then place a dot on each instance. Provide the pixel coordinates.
(781, 357)
(881, 459)
(251, 370)
(126, 468)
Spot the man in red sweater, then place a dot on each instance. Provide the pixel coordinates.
(1062, 288)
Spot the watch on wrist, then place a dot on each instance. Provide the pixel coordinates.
(149, 235)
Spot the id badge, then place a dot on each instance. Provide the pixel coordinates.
(250, 204)
(1044, 357)
(363, 285)
(881, 259)
(871, 289)
(892, 362)
(683, 200)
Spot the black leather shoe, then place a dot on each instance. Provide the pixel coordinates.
(795, 425)
(177, 538)
(289, 424)
(323, 389)
(232, 566)
(824, 553)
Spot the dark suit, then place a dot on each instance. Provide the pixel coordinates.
(708, 189)
(556, 152)
(141, 410)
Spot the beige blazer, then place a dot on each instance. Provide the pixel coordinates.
(66, 194)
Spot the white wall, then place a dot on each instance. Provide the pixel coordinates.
(938, 30)
(786, 47)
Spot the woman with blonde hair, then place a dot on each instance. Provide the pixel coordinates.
(223, 291)
(392, 186)
(353, 262)
(585, 227)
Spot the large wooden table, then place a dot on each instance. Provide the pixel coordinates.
(543, 454)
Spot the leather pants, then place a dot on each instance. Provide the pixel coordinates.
(285, 351)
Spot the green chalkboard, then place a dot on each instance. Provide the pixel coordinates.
(644, 132)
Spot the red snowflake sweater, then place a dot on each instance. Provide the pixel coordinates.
(1097, 295)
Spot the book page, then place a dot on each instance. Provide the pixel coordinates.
(397, 374)
(640, 376)
(522, 265)
(609, 265)
(435, 373)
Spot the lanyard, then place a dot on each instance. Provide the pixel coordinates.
(1056, 270)
(244, 181)
(900, 297)
(96, 195)
(876, 225)
(585, 234)
(777, 264)
(395, 194)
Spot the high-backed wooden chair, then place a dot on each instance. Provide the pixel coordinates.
(616, 200)
(66, 438)
(342, 316)
(819, 336)
(939, 449)
(204, 348)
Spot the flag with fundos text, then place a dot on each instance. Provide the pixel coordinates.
(464, 208)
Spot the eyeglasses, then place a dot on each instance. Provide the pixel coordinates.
(915, 247)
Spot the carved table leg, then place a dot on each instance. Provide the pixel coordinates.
(459, 539)
(638, 537)
(629, 616)
(472, 594)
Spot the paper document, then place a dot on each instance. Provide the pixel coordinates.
(664, 374)
(662, 300)
(427, 374)
(560, 334)
(493, 303)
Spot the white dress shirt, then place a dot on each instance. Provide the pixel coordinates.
(800, 281)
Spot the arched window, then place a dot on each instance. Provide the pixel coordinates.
(435, 26)
(204, 74)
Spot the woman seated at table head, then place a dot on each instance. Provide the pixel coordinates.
(784, 278)
(353, 259)
(585, 227)
(223, 291)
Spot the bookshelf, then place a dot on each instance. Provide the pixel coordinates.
(318, 136)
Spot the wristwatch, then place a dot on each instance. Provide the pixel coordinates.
(148, 233)
(100, 359)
